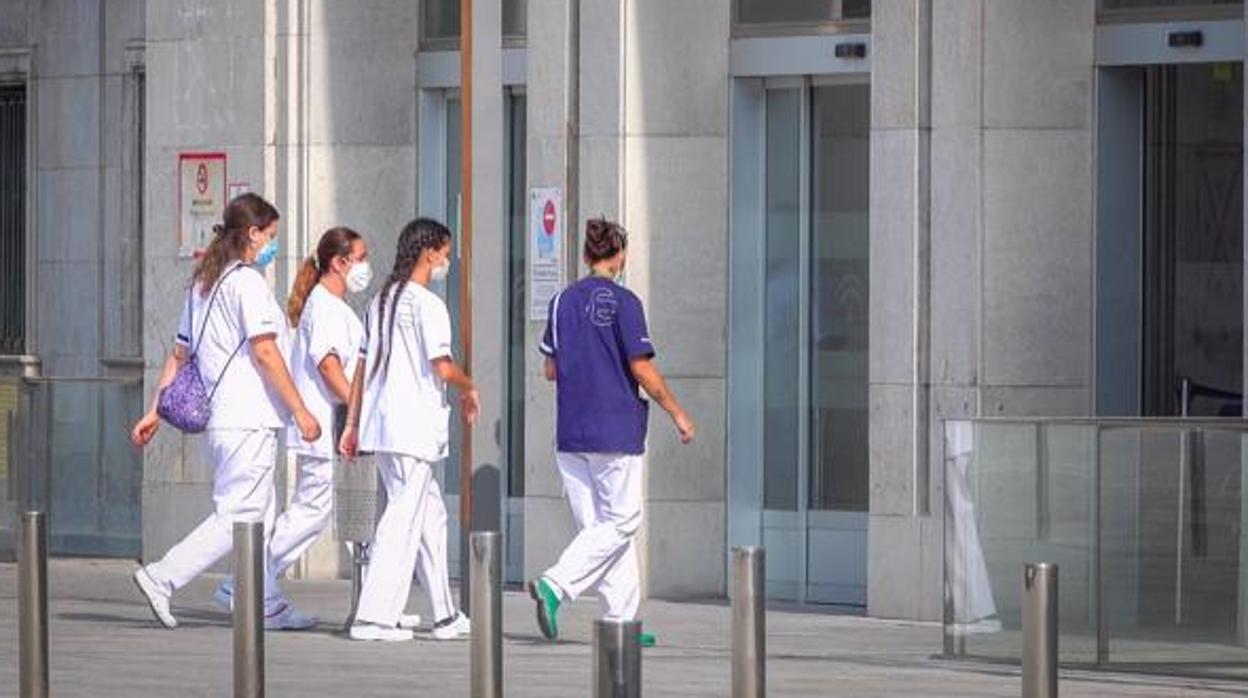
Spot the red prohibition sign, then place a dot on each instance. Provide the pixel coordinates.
(201, 178)
(548, 217)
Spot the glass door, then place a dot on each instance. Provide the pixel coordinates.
(811, 296)
(839, 288)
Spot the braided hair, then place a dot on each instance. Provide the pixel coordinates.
(419, 235)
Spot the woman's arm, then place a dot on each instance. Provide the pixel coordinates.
(268, 358)
(451, 373)
(550, 369)
(652, 382)
(145, 429)
(335, 378)
(349, 441)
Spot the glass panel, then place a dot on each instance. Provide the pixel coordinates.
(450, 288)
(517, 320)
(515, 18)
(781, 300)
(800, 11)
(440, 19)
(1139, 4)
(12, 220)
(855, 9)
(80, 465)
(1193, 238)
(840, 249)
(1017, 493)
(1151, 514)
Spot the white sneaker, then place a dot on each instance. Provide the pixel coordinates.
(369, 632)
(224, 597)
(288, 619)
(409, 621)
(983, 626)
(457, 629)
(157, 599)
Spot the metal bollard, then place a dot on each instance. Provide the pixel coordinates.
(1040, 630)
(359, 560)
(248, 609)
(486, 593)
(617, 659)
(32, 601)
(749, 629)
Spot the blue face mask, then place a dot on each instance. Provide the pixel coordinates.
(267, 254)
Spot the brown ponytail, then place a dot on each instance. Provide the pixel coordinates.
(335, 242)
(229, 237)
(304, 281)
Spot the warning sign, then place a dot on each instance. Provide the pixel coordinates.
(201, 199)
(545, 249)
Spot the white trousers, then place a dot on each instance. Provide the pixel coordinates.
(242, 490)
(605, 493)
(412, 530)
(306, 517)
(967, 584)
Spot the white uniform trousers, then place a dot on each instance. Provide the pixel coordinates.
(306, 517)
(605, 493)
(412, 528)
(967, 583)
(242, 490)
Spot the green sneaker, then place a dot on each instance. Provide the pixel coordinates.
(648, 639)
(547, 600)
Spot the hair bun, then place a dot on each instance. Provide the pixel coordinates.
(603, 239)
(218, 229)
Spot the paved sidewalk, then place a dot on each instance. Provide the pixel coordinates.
(104, 643)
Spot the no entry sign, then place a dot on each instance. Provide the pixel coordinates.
(545, 249)
(201, 199)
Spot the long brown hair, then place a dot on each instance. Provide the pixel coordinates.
(419, 235)
(335, 242)
(229, 239)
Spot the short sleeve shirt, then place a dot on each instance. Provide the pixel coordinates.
(594, 329)
(404, 409)
(327, 327)
(218, 328)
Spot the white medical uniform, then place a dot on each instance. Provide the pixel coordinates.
(404, 419)
(241, 436)
(967, 584)
(328, 326)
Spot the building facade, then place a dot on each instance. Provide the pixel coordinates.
(849, 221)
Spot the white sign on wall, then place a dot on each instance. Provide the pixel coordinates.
(545, 249)
(201, 199)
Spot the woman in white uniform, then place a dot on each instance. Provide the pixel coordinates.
(231, 323)
(326, 344)
(398, 405)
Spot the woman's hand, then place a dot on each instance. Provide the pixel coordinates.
(309, 428)
(349, 442)
(470, 403)
(685, 426)
(145, 429)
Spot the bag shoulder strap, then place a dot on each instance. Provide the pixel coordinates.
(203, 324)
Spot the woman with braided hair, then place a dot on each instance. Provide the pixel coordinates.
(399, 411)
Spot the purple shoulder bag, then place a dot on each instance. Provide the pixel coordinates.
(186, 403)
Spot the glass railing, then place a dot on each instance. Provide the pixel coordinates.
(64, 448)
(1145, 519)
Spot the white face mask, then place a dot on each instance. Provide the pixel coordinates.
(440, 272)
(360, 276)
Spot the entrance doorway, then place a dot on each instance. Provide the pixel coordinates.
(1170, 270)
(1170, 336)
(799, 344)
